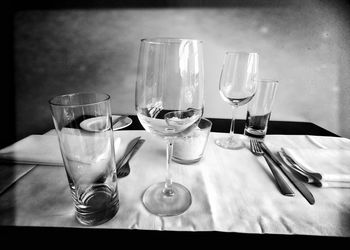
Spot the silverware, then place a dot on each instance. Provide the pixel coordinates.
(315, 175)
(299, 185)
(124, 170)
(304, 176)
(284, 187)
(128, 151)
(310, 178)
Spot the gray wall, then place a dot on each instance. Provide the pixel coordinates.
(305, 45)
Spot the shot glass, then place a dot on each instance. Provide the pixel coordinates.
(259, 109)
(88, 154)
(190, 148)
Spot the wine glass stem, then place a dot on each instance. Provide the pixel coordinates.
(232, 128)
(168, 190)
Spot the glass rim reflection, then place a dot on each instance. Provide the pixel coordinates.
(167, 40)
(57, 100)
(241, 52)
(267, 80)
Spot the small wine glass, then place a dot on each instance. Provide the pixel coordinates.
(237, 87)
(169, 103)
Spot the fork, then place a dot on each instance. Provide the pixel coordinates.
(255, 148)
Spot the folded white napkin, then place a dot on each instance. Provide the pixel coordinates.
(329, 156)
(34, 149)
(45, 150)
(331, 164)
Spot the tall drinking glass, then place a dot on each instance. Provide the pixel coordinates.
(84, 128)
(259, 109)
(237, 87)
(169, 103)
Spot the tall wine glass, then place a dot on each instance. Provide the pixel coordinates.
(237, 87)
(169, 103)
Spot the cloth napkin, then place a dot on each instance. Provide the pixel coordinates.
(21, 157)
(9, 174)
(330, 163)
(45, 150)
(34, 149)
(329, 156)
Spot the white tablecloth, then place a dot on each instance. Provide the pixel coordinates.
(232, 191)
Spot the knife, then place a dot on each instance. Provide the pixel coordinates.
(124, 168)
(296, 171)
(128, 151)
(306, 177)
(299, 185)
(298, 165)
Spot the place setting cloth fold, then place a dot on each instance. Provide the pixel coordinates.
(18, 159)
(329, 156)
(44, 150)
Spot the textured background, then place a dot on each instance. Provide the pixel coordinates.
(303, 44)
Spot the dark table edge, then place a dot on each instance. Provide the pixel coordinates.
(143, 237)
(274, 127)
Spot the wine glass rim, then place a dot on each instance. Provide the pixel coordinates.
(164, 40)
(240, 52)
(55, 101)
(267, 80)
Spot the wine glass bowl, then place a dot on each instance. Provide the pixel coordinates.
(181, 121)
(237, 87)
(169, 102)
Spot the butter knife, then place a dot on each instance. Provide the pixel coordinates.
(319, 176)
(128, 151)
(299, 185)
(310, 178)
(299, 172)
(297, 165)
(124, 170)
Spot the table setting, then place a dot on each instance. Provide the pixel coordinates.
(232, 191)
(91, 171)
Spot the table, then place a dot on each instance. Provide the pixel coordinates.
(275, 127)
(219, 125)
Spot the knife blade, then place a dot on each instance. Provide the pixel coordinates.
(301, 175)
(284, 187)
(307, 177)
(299, 185)
(135, 149)
(302, 168)
(124, 168)
(128, 151)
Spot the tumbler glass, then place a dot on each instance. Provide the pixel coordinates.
(259, 109)
(88, 154)
(190, 148)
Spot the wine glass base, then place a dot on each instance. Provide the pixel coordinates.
(158, 203)
(232, 143)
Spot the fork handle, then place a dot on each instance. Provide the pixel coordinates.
(284, 187)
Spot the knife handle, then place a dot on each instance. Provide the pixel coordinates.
(134, 151)
(129, 149)
(300, 186)
(284, 187)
